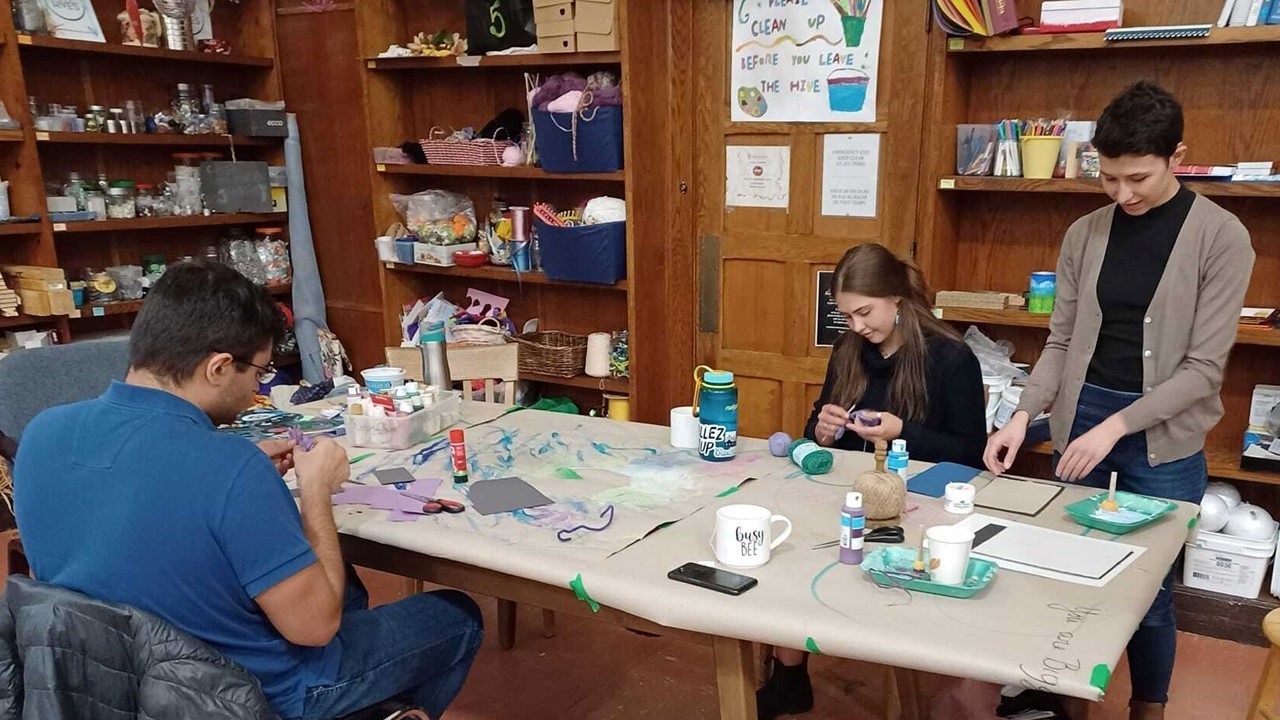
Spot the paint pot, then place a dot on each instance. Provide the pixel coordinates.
(853, 520)
(898, 459)
(380, 379)
(716, 406)
(684, 428)
(598, 345)
(959, 498)
(618, 407)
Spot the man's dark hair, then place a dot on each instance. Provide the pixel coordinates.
(1143, 120)
(198, 308)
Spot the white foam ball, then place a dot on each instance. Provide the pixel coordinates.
(1250, 522)
(1213, 513)
(1227, 492)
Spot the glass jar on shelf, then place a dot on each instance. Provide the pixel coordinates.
(187, 197)
(96, 120)
(137, 122)
(273, 250)
(96, 202)
(121, 204)
(100, 287)
(117, 117)
(185, 106)
(76, 188)
(146, 200)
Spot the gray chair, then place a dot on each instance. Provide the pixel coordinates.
(32, 381)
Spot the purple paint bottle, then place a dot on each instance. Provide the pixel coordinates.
(853, 521)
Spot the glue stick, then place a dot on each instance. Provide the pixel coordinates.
(853, 521)
(458, 448)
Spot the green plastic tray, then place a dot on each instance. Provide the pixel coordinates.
(891, 567)
(1136, 511)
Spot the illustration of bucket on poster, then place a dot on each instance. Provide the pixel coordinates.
(806, 60)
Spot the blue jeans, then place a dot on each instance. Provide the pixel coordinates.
(420, 646)
(1153, 646)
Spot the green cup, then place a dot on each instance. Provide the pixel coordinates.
(853, 29)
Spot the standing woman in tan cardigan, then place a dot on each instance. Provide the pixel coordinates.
(1149, 294)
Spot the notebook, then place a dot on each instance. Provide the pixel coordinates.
(1163, 32)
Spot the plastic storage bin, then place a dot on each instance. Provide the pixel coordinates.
(398, 433)
(1228, 565)
(598, 147)
(586, 253)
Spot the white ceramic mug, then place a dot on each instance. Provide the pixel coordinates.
(949, 548)
(743, 537)
(684, 428)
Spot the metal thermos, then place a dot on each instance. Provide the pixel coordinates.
(435, 360)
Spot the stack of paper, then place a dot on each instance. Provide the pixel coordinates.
(9, 302)
(980, 17)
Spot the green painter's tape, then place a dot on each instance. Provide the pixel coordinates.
(728, 492)
(581, 593)
(812, 646)
(1195, 519)
(1100, 677)
(567, 474)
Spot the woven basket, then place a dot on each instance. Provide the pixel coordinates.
(552, 353)
(446, 151)
(487, 332)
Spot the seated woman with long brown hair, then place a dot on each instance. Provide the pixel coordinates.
(910, 375)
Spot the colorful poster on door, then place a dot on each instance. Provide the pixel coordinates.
(805, 60)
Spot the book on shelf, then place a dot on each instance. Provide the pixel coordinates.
(976, 17)
(1075, 16)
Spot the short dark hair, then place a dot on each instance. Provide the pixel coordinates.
(1145, 119)
(198, 308)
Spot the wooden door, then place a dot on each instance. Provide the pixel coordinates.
(758, 267)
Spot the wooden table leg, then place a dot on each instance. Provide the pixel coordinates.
(903, 700)
(735, 678)
(548, 623)
(506, 624)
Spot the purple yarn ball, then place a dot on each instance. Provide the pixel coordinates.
(778, 443)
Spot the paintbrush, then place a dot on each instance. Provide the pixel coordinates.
(1110, 505)
(840, 8)
(918, 565)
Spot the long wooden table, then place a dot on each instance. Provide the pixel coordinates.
(1061, 636)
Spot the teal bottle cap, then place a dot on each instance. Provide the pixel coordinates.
(718, 377)
(433, 333)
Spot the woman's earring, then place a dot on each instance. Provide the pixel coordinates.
(897, 319)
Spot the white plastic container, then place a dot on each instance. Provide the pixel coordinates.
(398, 433)
(995, 386)
(379, 379)
(1228, 565)
(386, 248)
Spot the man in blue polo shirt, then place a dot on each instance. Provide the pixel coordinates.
(135, 498)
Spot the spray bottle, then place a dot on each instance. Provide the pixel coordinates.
(852, 523)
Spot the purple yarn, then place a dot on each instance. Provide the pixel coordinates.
(778, 443)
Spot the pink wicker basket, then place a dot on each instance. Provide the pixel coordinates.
(448, 151)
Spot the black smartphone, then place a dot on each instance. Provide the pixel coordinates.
(712, 578)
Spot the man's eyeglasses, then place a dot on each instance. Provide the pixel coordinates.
(263, 372)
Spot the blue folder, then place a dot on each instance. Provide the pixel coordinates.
(933, 482)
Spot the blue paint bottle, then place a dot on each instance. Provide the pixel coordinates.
(716, 407)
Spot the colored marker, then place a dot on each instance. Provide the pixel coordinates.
(358, 458)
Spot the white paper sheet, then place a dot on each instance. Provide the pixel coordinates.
(850, 174)
(1050, 553)
(758, 176)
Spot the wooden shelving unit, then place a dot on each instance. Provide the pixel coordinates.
(78, 73)
(44, 42)
(163, 223)
(171, 140)
(1095, 41)
(408, 97)
(497, 172)
(1245, 334)
(1210, 188)
(494, 272)
(490, 61)
(610, 385)
(987, 233)
(131, 307)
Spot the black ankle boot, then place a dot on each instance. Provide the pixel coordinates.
(788, 691)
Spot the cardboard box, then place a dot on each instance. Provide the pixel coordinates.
(546, 3)
(598, 18)
(552, 13)
(591, 42)
(555, 29)
(257, 123)
(40, 284)
(34, 271)
(558, 44)
(43, 303)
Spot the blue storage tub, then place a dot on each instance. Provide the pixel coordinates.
(586, 253)
(599, 142)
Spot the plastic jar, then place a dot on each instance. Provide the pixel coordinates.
(187, 198)
(273, 251)
(146, 200)
(95, 201)
(96, 120)
(121, 204)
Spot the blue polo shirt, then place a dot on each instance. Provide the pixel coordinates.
(135, 498)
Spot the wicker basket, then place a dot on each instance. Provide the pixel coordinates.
(487, 332)
(552, 353)
(446, 151)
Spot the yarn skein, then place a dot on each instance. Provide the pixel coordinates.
(778, 444)
(812, 458)
(884, 494)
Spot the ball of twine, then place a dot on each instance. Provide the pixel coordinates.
(884, 494)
